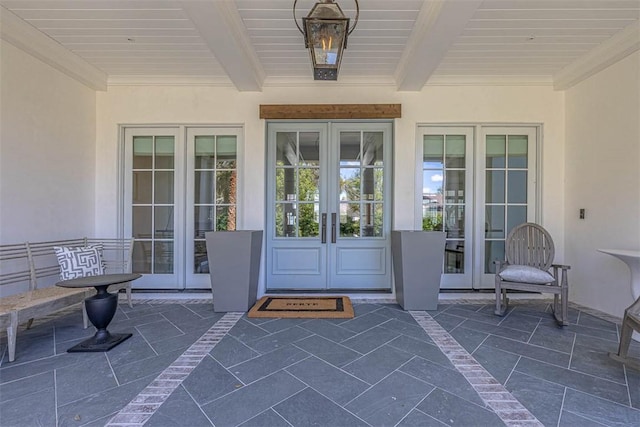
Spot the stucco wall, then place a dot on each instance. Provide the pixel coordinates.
(603, 176)
(47, 151)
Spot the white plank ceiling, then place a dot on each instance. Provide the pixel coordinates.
(406, 43)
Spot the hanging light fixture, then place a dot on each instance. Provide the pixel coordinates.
(326, 29)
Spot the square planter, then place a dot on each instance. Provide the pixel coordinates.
(418, 257)
(234, 268)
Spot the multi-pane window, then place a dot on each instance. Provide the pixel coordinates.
(152, 204)
(214, 191)
(443, 194)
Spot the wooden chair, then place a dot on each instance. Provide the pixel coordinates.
(630, 323)
(529, 253)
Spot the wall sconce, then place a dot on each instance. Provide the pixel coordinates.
(326, 29)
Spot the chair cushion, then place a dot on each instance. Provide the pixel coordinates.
(525, 274)
(79, 261)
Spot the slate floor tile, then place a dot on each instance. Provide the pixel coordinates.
(542, 398)
(158, 331)
(633, 379)
(447, 321)
(468, 338)
(37, 409)
(598, 363)
(328, 330)
(328, 380)
(421, 349)
(575, 380)
(209, 381)
(498, 363)
(554, 338)
(177, 411)
(17, 369)
(600, 410)
(595, 322)
(447, 379)
(267, 418)
(569, 419)
(397, 313)
(330, 352)
(585, 330)
(376, 365)
(453, 410)
(268, 363)
(245, 331)
(278, 340)
(33, 344)
(418, 418)
(247, 402)
(496, 330)
(531, 351)
(476, 316)
(370, 339)
(277, 325)
(131, 349)
(20, 389)
(364, 322)
(390, 400)
(310, 408)
(409, 329)
(229, 351)
(140, 368)
(87, 377)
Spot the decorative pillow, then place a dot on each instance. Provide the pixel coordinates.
(526, 274)
(79, 261)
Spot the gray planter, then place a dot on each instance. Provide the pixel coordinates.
(418, 257)
(234, 267)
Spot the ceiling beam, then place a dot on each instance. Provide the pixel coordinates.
(437, 27)
(621, 45)
(222, 29)
(28, 39)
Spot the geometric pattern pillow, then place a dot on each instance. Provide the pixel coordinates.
(79, 261)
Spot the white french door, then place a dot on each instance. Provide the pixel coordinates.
(477, 183)
(328, 211)
(179, 182)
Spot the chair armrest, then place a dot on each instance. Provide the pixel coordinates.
(634, 308)
(500, 264)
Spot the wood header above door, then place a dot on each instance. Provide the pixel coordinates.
(331, 111)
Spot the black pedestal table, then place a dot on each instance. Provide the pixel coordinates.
(101, 308)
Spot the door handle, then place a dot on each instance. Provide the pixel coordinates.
(333, 228)
(323, 235)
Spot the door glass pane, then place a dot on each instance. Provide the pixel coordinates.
(142, 187)
(368, 184)
(372, 152)
(226, 186)
(308, 222)
(286, 152)
(285, 220)
(309, 185)
(163, 257)
(163, 187)
(203, 220)
(495, 187)
(142, 152)
(200, 261)
(350, 220)
(163, 219)
(517, 187)
(203, 187)
(378, 179)
(494, 226)
(309, 148)
(350, 149)
(516, 215)
(455, 151)
(433, 152)
(496, 151)
(454, 221)
(454, 257)
(378, 224)
(493, 250)
(518, 151)
(226, 151)
(164, 152)
(204, 152)
(141, 258)
(454, 186)
(349, 184)
(225, 218)
(142, 222)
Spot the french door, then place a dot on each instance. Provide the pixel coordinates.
(477, 183)
(179, 182)
(328, 212)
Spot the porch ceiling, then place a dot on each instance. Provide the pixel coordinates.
(255, 43)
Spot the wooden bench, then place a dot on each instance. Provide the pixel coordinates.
(29, 271)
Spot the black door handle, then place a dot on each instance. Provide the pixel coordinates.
(333, 228)
(323, 235)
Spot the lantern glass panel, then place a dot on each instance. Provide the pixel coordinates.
(326, 40)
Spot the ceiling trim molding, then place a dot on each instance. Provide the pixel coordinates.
(437, 27)
(490, 81)
(621, 45)
(124, 80)
(222, 29)
(30, 40)
(330, 111)
(342, 81)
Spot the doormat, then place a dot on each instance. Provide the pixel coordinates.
(303, 307)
